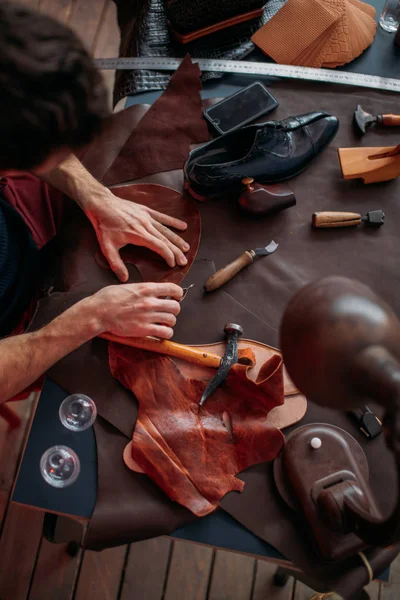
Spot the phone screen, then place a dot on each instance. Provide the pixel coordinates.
(241, 108)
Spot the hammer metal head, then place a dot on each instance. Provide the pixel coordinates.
(232, 332)
(231, 328)
(362, 120)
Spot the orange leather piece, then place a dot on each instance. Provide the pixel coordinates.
(185, 38)
(188, 450)
(323, 33)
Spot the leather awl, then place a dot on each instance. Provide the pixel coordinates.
(327, 219)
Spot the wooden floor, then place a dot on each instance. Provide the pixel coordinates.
(159, 569)
(31, 567)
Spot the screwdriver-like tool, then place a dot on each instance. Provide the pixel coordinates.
(229, 271)
(326, 219)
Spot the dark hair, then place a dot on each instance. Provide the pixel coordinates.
(51, 95)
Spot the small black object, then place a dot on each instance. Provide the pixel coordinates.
(241, 108)
(374, 218)
(368, 422)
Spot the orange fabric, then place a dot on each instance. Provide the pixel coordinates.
(322, 33)
(187, 450)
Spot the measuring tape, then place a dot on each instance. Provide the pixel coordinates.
(253, 68)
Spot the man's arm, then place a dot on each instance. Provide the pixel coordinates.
(130, 310)
(118, 222)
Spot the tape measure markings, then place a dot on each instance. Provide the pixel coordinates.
(253, 68)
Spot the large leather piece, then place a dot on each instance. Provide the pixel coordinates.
(177, 115)
(188, 450)
(255, 298)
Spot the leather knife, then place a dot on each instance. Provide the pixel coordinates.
(229, 271)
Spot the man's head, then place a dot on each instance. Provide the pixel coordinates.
(52, 99)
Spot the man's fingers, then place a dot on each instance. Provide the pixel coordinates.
(162, 248)
(161, 331)
(164, 318)
(170, 306)
(160, 290)
(180, 258)
(116, 262)
(172, 237)
(167, 220)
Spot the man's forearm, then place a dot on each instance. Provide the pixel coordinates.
(23, 358)
(75, 181)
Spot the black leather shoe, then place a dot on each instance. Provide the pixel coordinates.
(268, 152)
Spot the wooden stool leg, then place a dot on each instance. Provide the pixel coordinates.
(10, 416)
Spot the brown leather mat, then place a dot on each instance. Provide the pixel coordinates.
(255, 298)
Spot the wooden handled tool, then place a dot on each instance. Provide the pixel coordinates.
(389, 120)
(229, 271)
(363, 120)
(326, 219)
(187, 353)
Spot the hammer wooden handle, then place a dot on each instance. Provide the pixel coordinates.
(226, 273)
(335, 219)
(187, 353)
(390, 120)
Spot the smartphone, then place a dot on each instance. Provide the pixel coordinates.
(241, 108)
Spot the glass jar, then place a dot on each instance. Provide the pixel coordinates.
(389, 19)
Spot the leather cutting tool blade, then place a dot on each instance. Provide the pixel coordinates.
(225, 274)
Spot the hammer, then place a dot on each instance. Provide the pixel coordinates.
(364, 120)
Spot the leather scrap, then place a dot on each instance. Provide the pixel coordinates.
(162, 139)
(187, 450)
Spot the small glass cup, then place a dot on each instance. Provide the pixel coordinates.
(390, 16)
(77, 412)
(60, 466)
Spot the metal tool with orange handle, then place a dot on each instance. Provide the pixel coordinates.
(187, 353)
(363, 120)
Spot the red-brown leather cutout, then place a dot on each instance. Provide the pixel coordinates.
(187, 450)
(170, 202)
(162, 139)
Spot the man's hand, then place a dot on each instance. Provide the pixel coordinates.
(138, 309)
(118, 222)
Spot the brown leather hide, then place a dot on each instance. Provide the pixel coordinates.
(191, 452)
(162, 139)
(255, 298)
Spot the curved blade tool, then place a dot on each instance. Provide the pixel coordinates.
(225, 274)
(233, 332)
